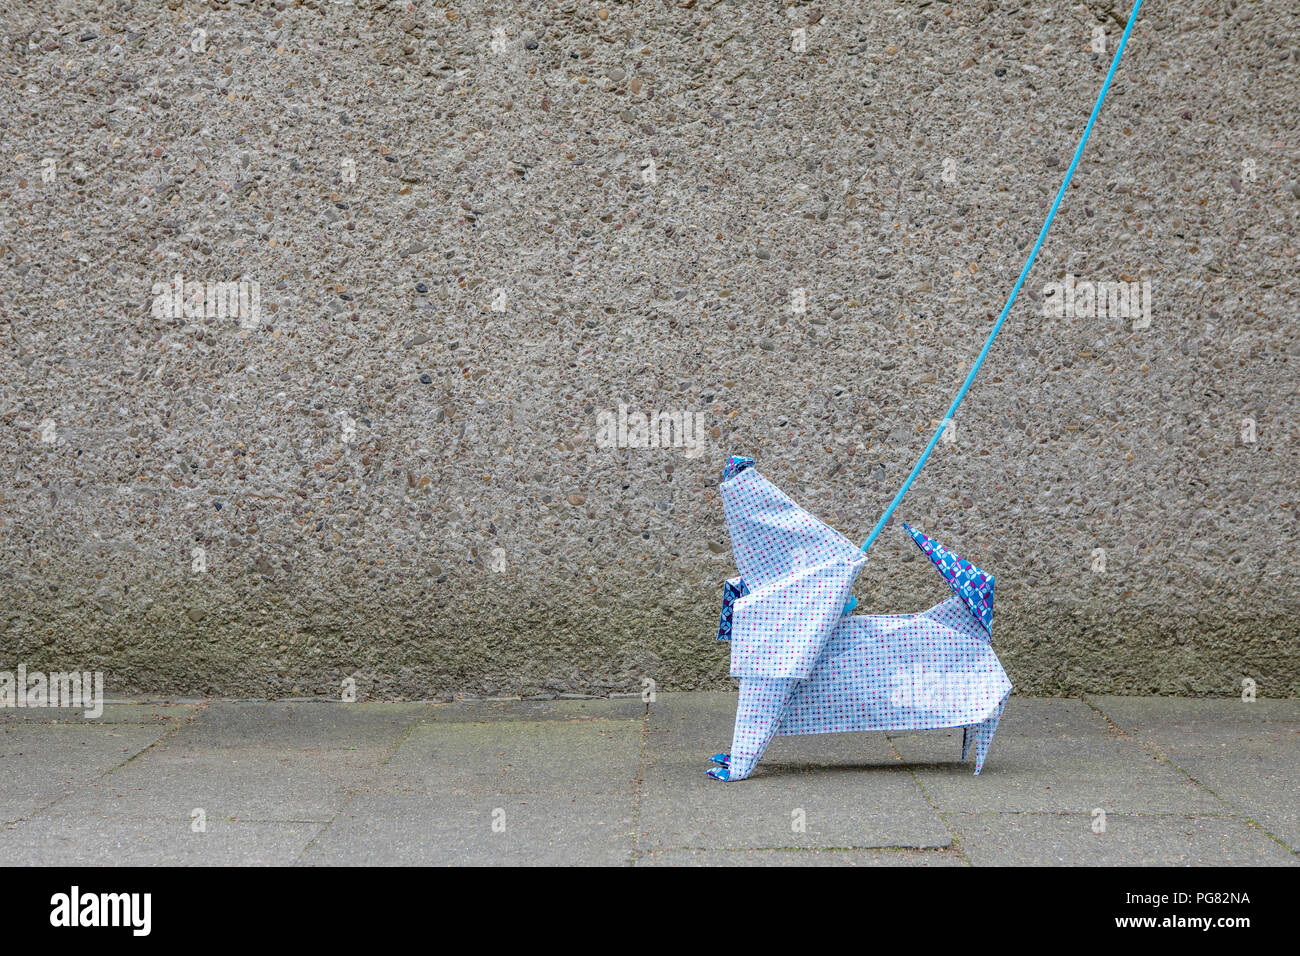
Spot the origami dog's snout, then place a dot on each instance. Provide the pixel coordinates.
(807, 667)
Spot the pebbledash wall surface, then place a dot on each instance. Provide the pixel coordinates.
(436, 259)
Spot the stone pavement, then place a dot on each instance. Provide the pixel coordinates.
(1209, 781)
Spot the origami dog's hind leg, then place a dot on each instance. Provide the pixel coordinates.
(759, 712)
(983, 734)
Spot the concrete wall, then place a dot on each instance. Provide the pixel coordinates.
(395, 472)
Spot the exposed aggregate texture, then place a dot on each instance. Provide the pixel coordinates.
(477, 228)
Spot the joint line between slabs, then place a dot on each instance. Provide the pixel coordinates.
(352, 792)
(169, 732)
(956, 841)
(639, 785)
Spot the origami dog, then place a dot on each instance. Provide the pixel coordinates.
(807, 666)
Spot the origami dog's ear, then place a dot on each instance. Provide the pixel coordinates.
(968, 582)
(732, 589)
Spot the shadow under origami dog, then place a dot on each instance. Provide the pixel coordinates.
(809, 666)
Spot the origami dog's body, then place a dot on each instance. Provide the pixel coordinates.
(807, 667)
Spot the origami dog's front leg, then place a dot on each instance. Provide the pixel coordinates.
(777, 634)
(797, 574)
(759, 713)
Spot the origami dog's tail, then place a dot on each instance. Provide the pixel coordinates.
(968, 582)
(975, 588)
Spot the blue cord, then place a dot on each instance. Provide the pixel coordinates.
(925, 455)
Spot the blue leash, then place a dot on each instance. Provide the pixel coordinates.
(925, 455)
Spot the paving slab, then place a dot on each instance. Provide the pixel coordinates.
(1051, 755)
(254, 783)
(479, 829)
(826, 791)
(284, 762)
(1058, 839)
(551, 791)
(1246, 753)
(301, 726)
(44, 762)
(114, 713)
(99, 841)
(587, 756)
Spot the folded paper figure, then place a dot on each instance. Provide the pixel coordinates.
(808, 667)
